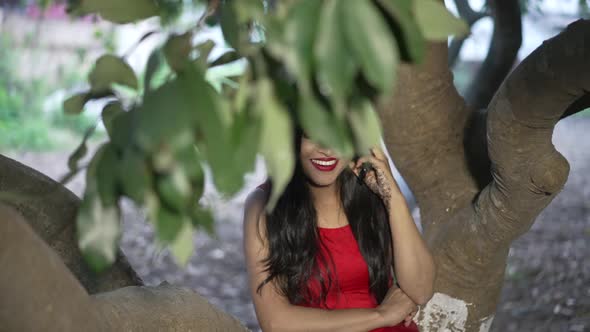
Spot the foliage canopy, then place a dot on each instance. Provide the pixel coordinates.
(315, 64)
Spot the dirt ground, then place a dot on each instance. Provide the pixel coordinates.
(547, 285)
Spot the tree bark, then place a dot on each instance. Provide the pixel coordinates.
(470, 224)
(39, 293)
(51, 210)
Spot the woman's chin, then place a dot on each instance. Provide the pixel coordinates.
(321, 182)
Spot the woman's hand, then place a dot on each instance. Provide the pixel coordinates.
(379, 178)
(410, 317)
(396, 307)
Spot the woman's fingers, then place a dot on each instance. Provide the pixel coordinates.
(378, 153)
(409, 317)
(374, 161)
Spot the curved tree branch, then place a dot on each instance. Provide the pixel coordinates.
(51, 209)
(470, 16)
(40, 293)
(580, 104)
(527, 173)
(506, 40)
(467, 13)
(527, 170)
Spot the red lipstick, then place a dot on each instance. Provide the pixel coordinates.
(324, 164)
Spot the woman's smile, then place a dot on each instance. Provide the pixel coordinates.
(324, 164)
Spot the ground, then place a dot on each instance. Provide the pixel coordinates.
(547, 285)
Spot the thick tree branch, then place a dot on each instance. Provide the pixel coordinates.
(580, 104)
(165, 308)
(51, 210)
(527, 170)
(506, 41)
(470, 16)
(423, 129)
(39, 293)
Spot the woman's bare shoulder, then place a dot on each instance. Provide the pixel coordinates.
(254, 223)
(254, 210)
(256, 200)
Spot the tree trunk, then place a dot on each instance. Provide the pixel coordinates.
(470, 218)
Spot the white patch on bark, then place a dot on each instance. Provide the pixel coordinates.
(443, 313)
(486, 323)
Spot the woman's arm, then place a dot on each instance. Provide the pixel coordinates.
(414, 265)
(273, 310)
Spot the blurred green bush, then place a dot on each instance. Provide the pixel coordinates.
(24, 125)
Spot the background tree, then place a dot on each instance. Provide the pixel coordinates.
(330, 61)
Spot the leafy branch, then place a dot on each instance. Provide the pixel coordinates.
(308, 63)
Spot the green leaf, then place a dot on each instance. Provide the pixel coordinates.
(277, 140)
(166, 117)
(177, 50)
(323, 127)
(154, 63)
(299, 34)
(168, 225)
(213, 123)
(203, 219)
(204, 49)
(248, 10)
(334, 65)
(245, 141)
(365, 125)
(237, 19)
(182, 247)
(101, 176)
(75, 104)
(134, 176)
(109, 113)
(413, 42)
(230, 27)
(115, 10)
(111, 69)
(436, 22)
(121, 127)
(98, 231)
(175, 190)
(189, 159)
(371, 43)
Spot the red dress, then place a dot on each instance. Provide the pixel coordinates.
(352, 287)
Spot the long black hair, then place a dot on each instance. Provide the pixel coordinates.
(293, 239)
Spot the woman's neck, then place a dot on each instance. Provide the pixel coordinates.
(325, 197)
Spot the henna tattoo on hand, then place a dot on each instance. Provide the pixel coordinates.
(385, 190)
(380, 185)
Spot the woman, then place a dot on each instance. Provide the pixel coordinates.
(323, 259)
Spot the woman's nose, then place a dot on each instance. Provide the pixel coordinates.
(326, 151)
